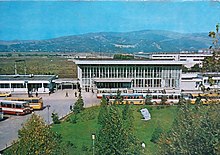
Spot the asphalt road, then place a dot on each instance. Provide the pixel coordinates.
(58, 102)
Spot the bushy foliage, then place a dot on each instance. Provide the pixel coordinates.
(36, 138)
(163, 99)
(78, 106)
(148, 100)
(103, 111)
(195, 131)
(55, 118)
(115, 135)
(156, 134)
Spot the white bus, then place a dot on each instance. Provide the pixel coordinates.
(15, 107)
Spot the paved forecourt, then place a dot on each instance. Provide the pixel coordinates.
(58, 103)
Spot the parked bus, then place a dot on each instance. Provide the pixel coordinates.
(171, 98)
(1, 114)
(35, 102)
(15, 107)
(206, 98)
(125, 98)
(139, 98)
(5, 94)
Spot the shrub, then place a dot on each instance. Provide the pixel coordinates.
(55, 118)
(156, 134)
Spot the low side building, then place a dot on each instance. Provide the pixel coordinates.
(193, 82)
(27, 83)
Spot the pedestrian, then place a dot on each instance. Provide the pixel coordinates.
(36, 94)
(49, 93)
(66, 94)
(75, 94)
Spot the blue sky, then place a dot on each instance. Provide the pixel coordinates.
(43, 20)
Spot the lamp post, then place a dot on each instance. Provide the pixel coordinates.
(143, 146)
(93, 144)
(48, 115)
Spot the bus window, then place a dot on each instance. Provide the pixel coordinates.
(18, 106)
(154, 97)
(9, 105)
(170, 97)
(34, 101)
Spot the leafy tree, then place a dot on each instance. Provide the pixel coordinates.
(215, 35)
(194, 131)
(36, 138)
(195, 68)
(163, 99)
(103, 111)
(78, 106)
(185, 69)
(148, 99)
(119, 98)
(211, 81)
(123, 57)
(113, 136)
(212, 64)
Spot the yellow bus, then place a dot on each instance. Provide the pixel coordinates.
(5, 94)
(206, 98)
(35, 102)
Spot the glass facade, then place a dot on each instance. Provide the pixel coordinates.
(142, 76)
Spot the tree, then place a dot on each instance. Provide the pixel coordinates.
(113, 136)
(148, 99)
(163, 99)
(156, 134)
(55, 118)
(194, 131)
(119, 98)
(78, 106)
(195, 68)
(103, 111)
(215, 35)
(36, 138)
(212, 64)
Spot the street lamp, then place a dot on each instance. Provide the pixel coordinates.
(48, 116)
(143, 146)
(93, 144)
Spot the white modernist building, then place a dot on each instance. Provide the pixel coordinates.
(27, 83)
(135, 76)
(192, 82)
(188, 59)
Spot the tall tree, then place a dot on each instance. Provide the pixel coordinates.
(103, 111)
(78, 106)
(212, 64)
(195, 131)
(36, 138)
(113, 136)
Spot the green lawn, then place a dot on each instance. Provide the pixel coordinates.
(79, 134)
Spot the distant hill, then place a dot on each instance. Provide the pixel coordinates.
(137, 41)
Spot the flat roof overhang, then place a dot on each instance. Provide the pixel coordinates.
(112, 80)
(126, 62)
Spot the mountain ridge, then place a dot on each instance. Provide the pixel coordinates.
(114, 42)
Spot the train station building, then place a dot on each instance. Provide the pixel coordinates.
(135, 76)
